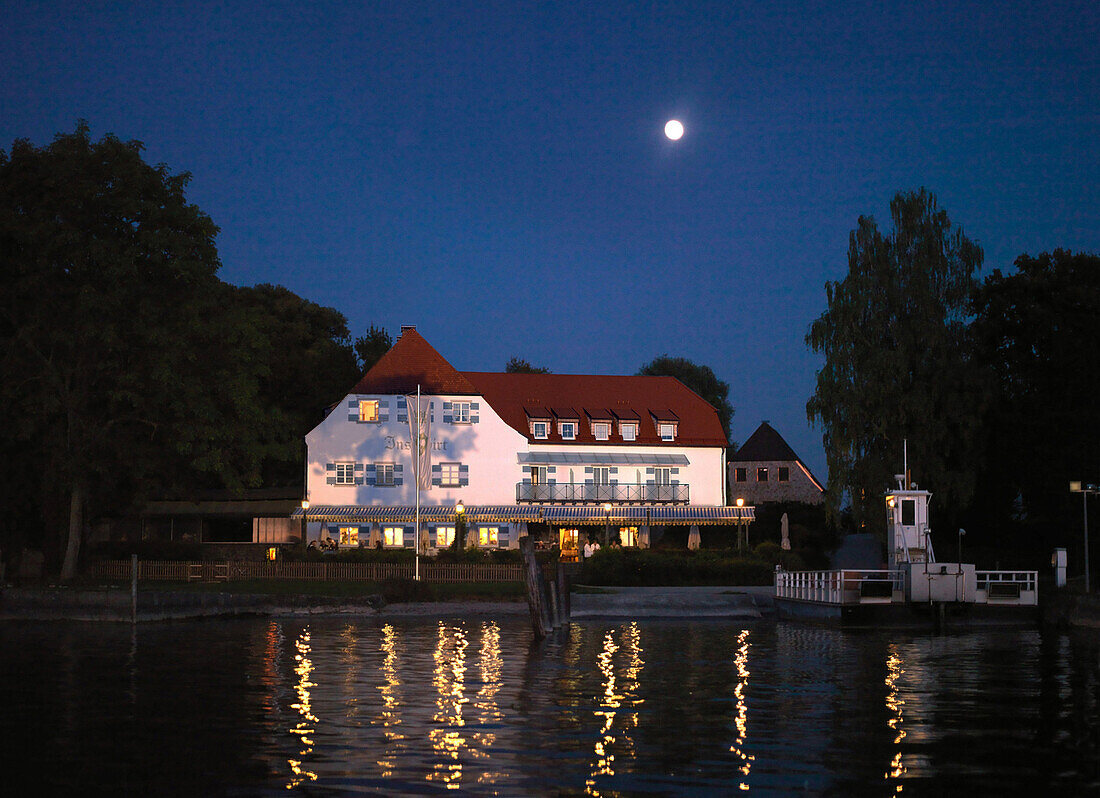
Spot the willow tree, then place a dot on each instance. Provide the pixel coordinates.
(897, 363)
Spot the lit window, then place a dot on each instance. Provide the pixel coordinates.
(487, 535)
(540, 429)
(368, 409)
(784, 474)
(761, 475)
(444, 536)
(601, 430)
(568, 430)
(393, 536)
(628, 535)
(345, 473)
(668, 432)
(383, 473)
(460, 412)
(601, 475)
(449, 475)
(628, 431)
(740, 475)
(349, 536)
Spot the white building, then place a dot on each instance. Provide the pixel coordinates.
(511, 450)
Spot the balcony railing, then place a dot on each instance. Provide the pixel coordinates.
(579, 493)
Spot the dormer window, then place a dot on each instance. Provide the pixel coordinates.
(540, 429)
(601, 430)
(368, 410)
(567, 430)
(667, 431)
(628, 430)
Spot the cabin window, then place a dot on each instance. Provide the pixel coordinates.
(784, 474)
(908, 512)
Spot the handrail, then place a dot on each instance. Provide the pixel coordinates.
(580, 492)
(847, 586)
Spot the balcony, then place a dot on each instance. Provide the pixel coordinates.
(579, 493)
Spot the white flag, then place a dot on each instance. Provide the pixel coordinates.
(420, 430)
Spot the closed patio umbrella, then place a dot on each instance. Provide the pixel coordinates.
(784, 530)
(643, 537)
(693, 537)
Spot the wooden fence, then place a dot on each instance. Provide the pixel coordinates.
(311, 571)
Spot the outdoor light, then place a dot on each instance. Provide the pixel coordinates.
(607, 524)
(459, 508)
(1085, 490)
(740, 502)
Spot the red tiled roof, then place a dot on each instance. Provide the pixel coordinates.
(513, 395)
(410, 362)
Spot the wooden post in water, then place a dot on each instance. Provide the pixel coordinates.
(536, 590)
(133, 587)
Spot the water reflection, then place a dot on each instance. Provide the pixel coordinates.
(389, 712)
(306, 725)
(741, 719)
(448, 739)
(894, 704)
(614, 699)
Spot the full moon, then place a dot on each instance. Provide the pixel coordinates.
(673, 129)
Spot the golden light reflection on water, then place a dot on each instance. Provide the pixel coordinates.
(741, 719)
(488, 711)
(894, 706)
(615, 698)
(449, 677)
(389, 715)
(307, 723)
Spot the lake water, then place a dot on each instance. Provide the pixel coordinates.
(346, 705)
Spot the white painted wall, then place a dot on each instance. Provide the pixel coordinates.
(488, 447)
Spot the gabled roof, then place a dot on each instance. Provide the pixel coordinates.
(512, 395)
(412, 361)
(764, 444)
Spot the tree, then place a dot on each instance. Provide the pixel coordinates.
(370, 347)
(306, 362)
(897, 361)
(518, 365)
(124, 369)
(1038, 329)
(700, 379)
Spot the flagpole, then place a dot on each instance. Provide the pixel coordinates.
(416, 479)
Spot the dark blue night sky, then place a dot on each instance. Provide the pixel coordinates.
(496, 173)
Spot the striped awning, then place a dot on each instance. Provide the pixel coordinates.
(656, 515)
(433, 514)
(511, 514)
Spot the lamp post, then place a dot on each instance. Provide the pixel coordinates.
(460, 510)
(607, 524)
(305, 527)
(960, 547)
(1085, 489)
(740, 526)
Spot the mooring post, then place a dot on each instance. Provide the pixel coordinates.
(133, 587)
(536, 592)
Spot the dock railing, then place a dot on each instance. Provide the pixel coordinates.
(847, 586)
(1008, 587)
(311, 571)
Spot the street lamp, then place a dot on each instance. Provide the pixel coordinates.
(460, 510)
(1085, 489)
(305, 528)
(740, 527)
(607, 524)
